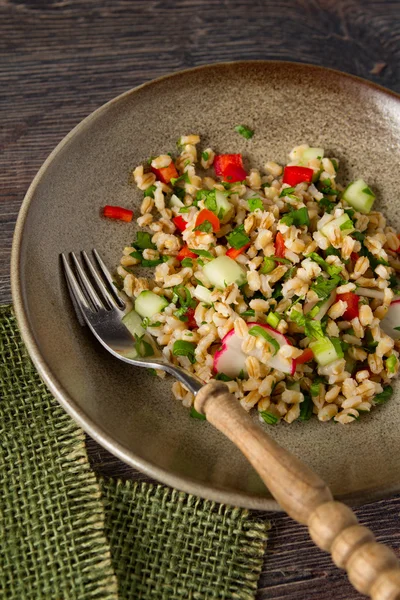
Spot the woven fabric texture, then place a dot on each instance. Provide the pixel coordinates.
(65, 535)
(171, 546)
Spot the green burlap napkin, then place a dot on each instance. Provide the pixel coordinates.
(66, 535)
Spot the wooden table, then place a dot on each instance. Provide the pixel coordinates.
(61, 59)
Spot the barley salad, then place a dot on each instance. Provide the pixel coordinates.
(280, 281)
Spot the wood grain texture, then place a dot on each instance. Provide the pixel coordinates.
(61, 59)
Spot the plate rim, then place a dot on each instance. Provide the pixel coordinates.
(184, 483)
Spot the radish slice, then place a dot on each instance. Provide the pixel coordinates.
(368, 293)
(392, 320)
(308, 306)
(232, 361)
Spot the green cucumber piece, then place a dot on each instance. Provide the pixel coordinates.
(359, 196)
(311, 154)
(175, 202)
(133, 322)
(344, 223)
(326, 350)
(202, 294)
(148, 304)
(224, 207)
(223, 271)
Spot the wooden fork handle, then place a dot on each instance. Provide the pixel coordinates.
(372, 568)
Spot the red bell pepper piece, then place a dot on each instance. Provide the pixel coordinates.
(294, 175)
(354, 256)
(179, 223)
(117, 212)
(234, 252)
(234, 173)
(166, 173)
(305, 357)
(185, 253)
(279, 245)
(352, 300)
(222, 161)
(191, 322)
(207, 215)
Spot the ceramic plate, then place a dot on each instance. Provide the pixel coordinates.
(130, 412)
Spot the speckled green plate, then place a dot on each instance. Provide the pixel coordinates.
(126, 409)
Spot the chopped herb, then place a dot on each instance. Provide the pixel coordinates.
(306, 408)
(145, 322)
(268, 417)
(350, 212)
(357, 235)
(183, 296)
(184, 209)
(152, 263)
(393, 281)
(184, 177)
(209, 199)
(277, 293)
(259, 331)
(335, 164)
(223, 377)
(289, 273)
(287, 191)
(142, 347)
(313, 329)
(182, 348)
(196, 415)
(268, 266)
(323, 287)
(150, 191)
(237, 238)
(143, 241)
(136, 254)
(180, 193)
(204, 253)
(330, 269)
(150, 160)
(241, 375)
(248, 313)
(397, 328)
(383, 396)
(244, 131)
(204, 227)
(200, 262)
(297, 217)
(332, 251)
(327, 204)
(155, 324)
(205, 155)
(187, 262)
(255, 203)
(326, 188)
(265, 184)
(315, 388)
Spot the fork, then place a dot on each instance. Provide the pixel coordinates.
(372, 568)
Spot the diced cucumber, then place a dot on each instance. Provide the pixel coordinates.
(359, 196)
(148, 303)
(311, 154)
(224, 207)
(344, 223)
(202, 294)
(223, 271)
(326, 350)
(133, 322)
(174, 201)
(273, 319)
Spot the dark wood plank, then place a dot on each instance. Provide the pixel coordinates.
(61, 59)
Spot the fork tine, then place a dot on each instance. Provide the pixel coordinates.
(109, 298)
(107, 276)
(74, 287)
(86, 284)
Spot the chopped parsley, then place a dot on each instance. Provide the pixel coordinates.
(184, 209)
(246, 132)
(182, 348)
(297, 217)
(187, 262)
(259, 331)
(255, 203)
(237, 238)
(143, 241)
(383, 396)
(323, 287)
(150, 191)
(313, 329)
(248, 313)
(330, 269)
(184, 177)
(142, 347)
(196, 415)
(223, 377)
(287, 191)
(326, 188)
(327, 204)
(205, 155)
(204, 227)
